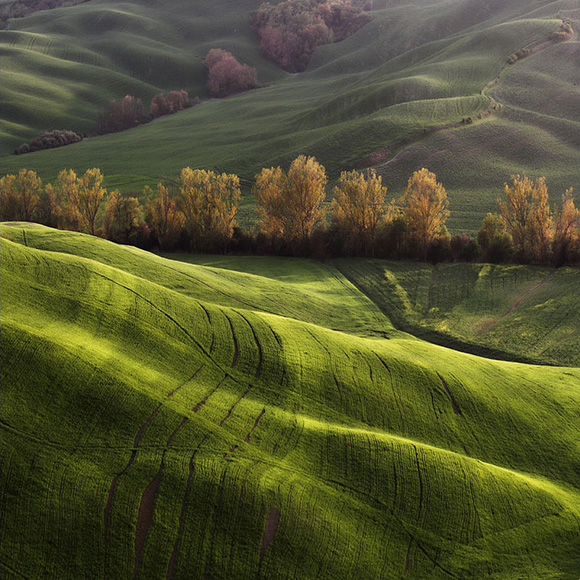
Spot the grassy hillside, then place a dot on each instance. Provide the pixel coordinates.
(523, 311)
(165, 430)
(395, 93)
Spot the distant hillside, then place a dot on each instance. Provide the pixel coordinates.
(423, 84)
(207, 425)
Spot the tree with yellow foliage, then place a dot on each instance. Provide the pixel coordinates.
(65, 192)
(527, 217)
(291, 204)
(19, 195)
(566, 245)
(424, 206)
(123, 217)
(358, 209)
(90, 196)
(164, 217)
(209, 203)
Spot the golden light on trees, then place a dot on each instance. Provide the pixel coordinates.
(527, 217)
(566, 224)
(358, 209)
(90, 195)
(291, 204)
(164, 217)
(424, 205)
(66, 192)
(209, 203)
(19, 195)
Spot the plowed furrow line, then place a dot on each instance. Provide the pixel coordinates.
(260, 354)
(234, 406)
(155, 307)
(454, 405)
(145, 517)
(201, 403)
(395, 394)
(272, 522)
(116, 479)
(236, 352)
(173, 558)
(247, 438)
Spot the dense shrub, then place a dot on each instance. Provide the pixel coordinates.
(227, 76)
(290, 31)
(49, 140)
(119, 116)
(173, 102)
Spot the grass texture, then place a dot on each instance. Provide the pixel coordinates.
(392, 95)
(173, 420)
(526, 312)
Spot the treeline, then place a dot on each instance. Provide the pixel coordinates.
(290, 31)
(49, 140)
(130, 112)
(21, 8)
(197, 213)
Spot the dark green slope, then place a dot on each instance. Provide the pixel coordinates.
(147, 433)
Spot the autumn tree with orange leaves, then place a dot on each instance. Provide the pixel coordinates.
(19, 195)
(209, 203)
(359, 207)
(90, 195)
(424, 205)
(527, 217)
(65, 192)
(164, 217)
(290, 205)
(566, 246)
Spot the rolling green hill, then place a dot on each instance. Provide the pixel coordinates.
(392, 95)
(529, 312)
(231, 420)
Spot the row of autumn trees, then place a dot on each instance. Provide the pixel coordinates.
(197, 212)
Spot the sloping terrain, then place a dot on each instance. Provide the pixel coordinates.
(527, 312)
(393, 95)
(149, 431)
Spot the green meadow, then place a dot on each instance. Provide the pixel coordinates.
(393, 95)
(215, 417)
(526, 313)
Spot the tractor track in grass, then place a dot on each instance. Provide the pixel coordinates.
(180, 326)
(258, 418)
(235, 340)
(260, 353)
(270, 529)
(172, 560)
(454, 404)
(136, 443)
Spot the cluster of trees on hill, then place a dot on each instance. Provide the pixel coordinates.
(197, 213)
(130, 112)
(290, 31)
(21, 8)
(227, 76)
(49, 140)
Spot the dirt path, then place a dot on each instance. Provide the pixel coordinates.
(493, 106)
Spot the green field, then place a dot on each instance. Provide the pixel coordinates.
(527, 313)
(392, 95)
(262, 418)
